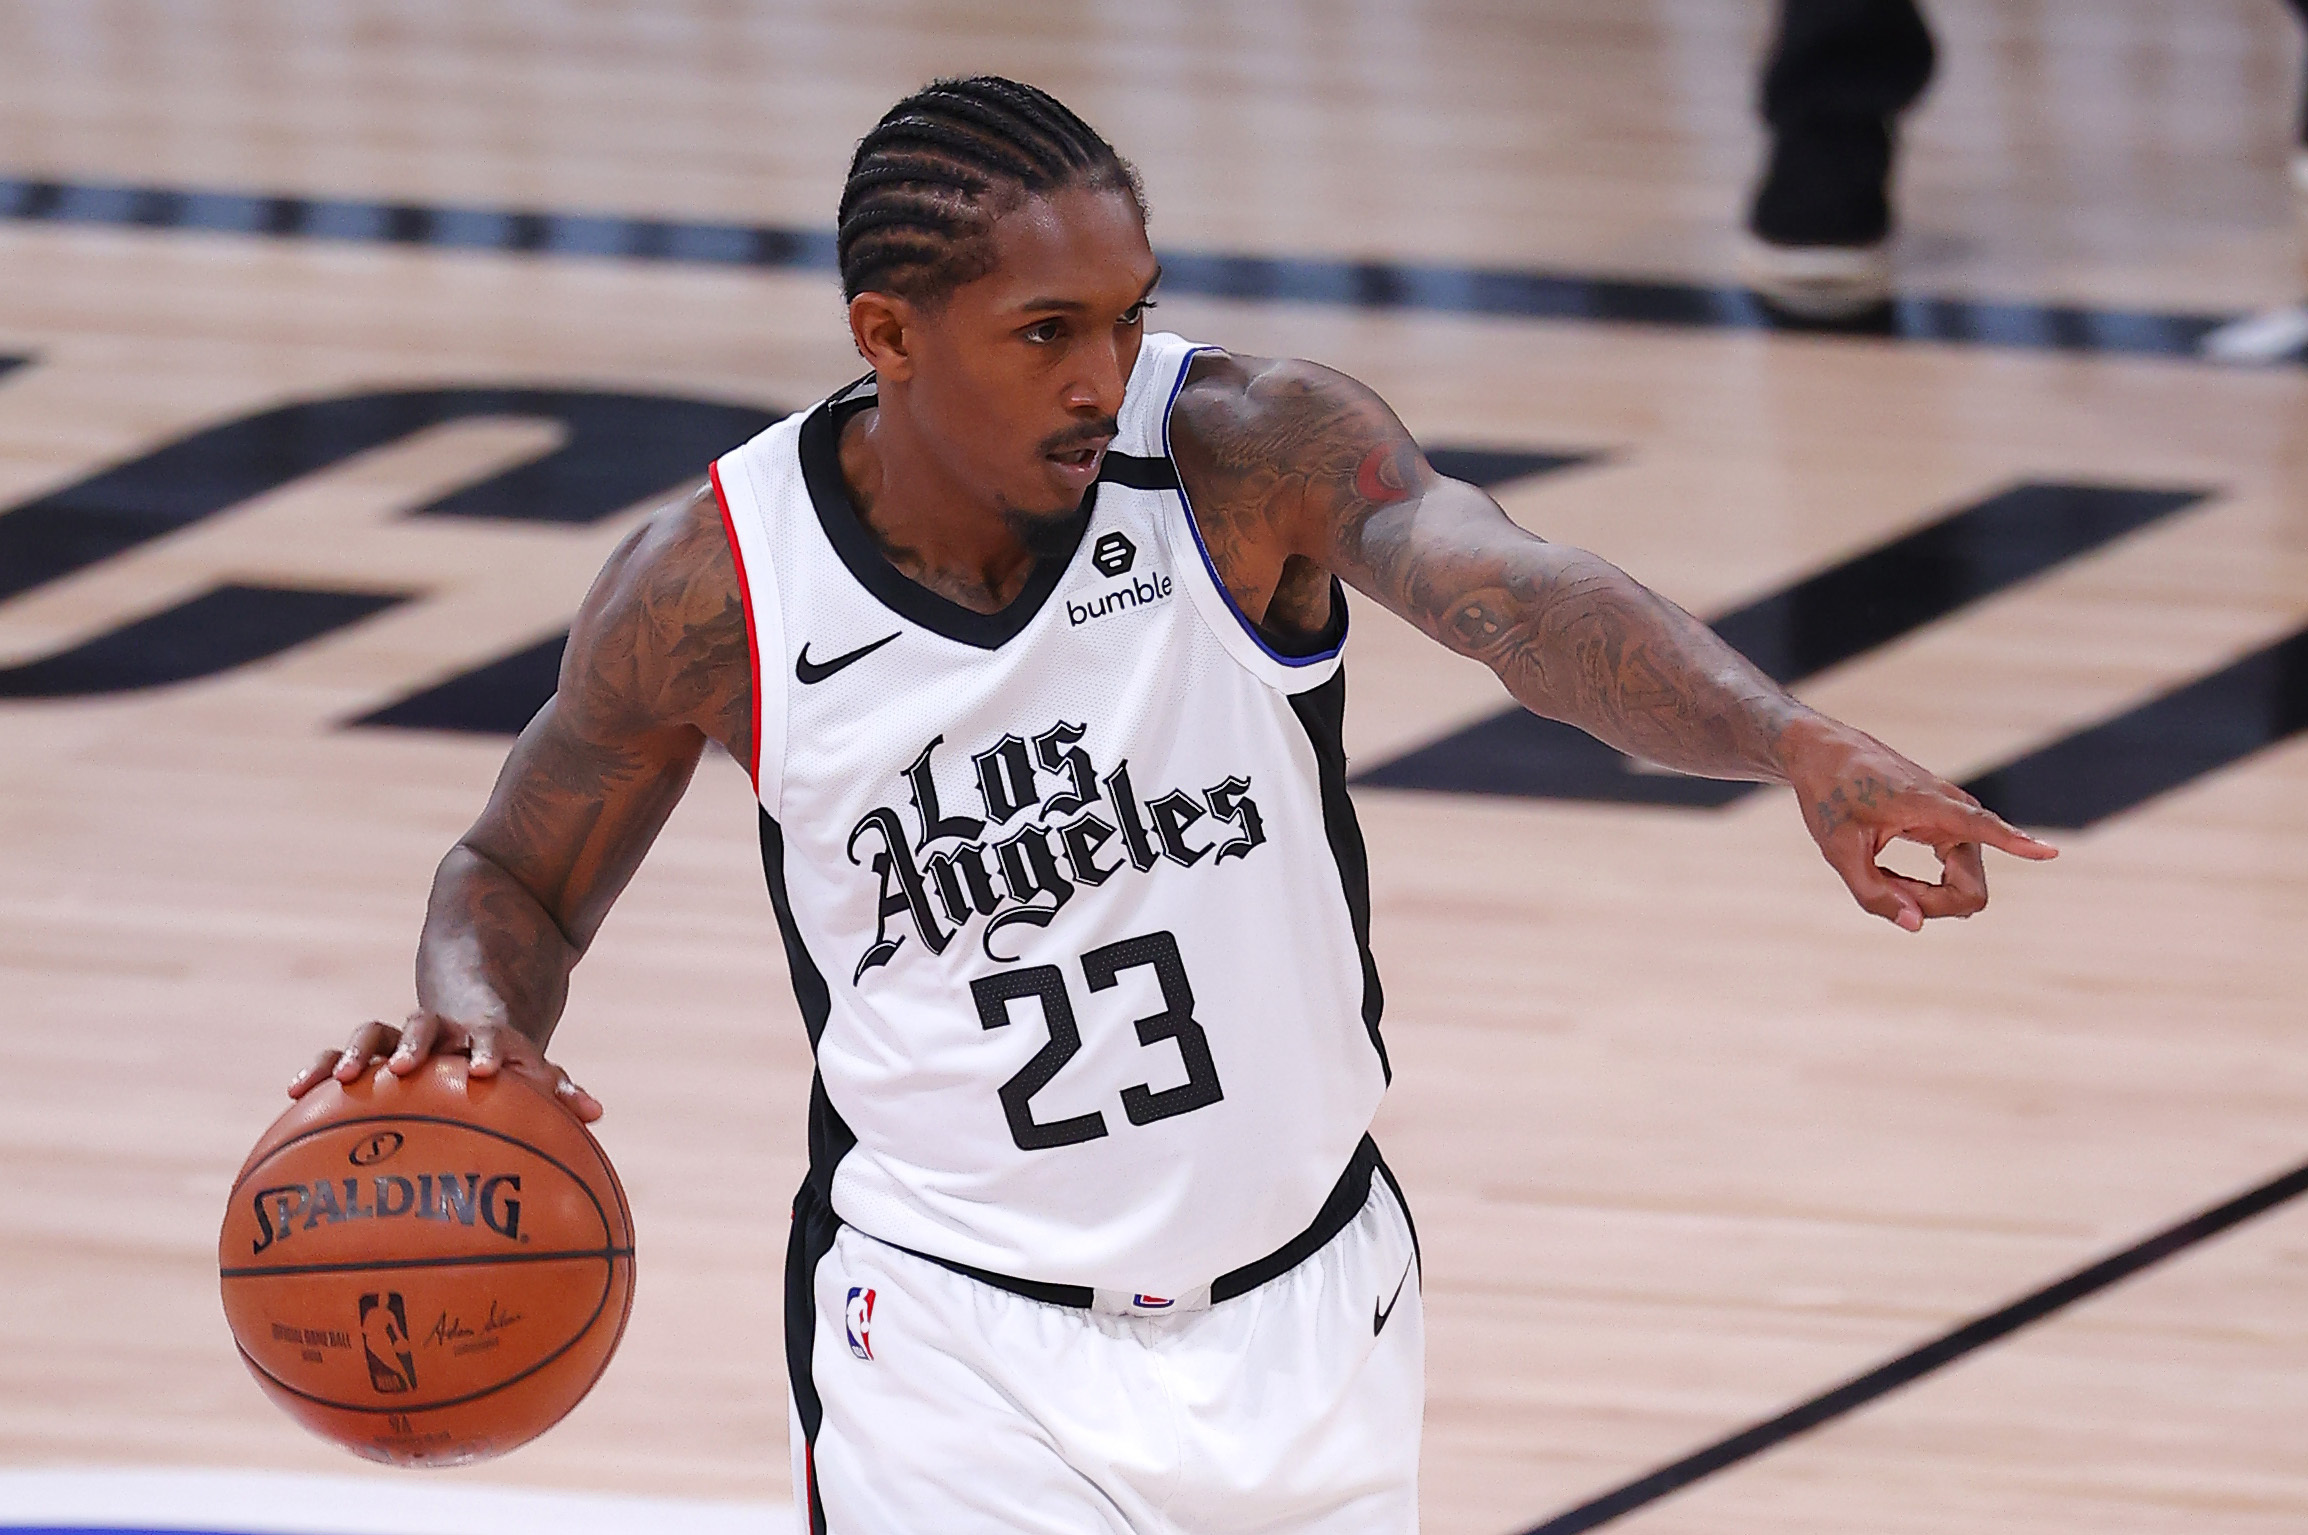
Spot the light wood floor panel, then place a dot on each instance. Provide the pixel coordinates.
(2118, 151)
(1689, 1138)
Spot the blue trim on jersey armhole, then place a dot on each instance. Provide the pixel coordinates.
(1194, 526)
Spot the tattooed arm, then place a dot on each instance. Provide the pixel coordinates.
(1298, 474)
(656, 666)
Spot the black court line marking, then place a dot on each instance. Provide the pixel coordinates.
(1375, 285)
(1940, 1352)
(2173, 739)
(496, 698)
(220, 630)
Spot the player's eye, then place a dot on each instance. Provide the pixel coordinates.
(1044, 332)
(1137, 312)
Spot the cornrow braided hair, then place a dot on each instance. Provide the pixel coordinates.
(917, 213)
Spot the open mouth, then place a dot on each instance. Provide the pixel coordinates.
(1079, 458)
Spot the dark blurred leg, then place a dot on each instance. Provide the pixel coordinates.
(2302, 7)
(1840, 73)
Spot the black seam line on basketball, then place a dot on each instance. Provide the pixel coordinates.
(1589, 298)
(806, 672)
(1937, 1354)
(233, 1199)
(381, 1265)
(609, 1284)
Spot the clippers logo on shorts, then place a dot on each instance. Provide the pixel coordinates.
(385, 1337)
(857, 1320)
(1054, 822)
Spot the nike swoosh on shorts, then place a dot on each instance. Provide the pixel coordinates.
(1377, 1316)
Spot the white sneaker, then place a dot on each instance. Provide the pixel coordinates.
(1819, 282)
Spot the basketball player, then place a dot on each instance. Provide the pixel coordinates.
(1030, 640)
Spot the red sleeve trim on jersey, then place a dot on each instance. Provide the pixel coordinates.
(752, 639)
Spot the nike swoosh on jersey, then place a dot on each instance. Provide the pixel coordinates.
(807, 671)
(1377, 1316)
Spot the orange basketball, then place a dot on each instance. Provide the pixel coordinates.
(428, 1269)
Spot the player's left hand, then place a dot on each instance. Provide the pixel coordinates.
(1858, 796)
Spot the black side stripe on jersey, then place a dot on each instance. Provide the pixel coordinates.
(830, 1139)
(814, 1228)
(1128, 469)
(1322, 711)
(809, 988)
(814, 1223)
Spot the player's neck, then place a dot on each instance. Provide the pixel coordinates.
(933, 528)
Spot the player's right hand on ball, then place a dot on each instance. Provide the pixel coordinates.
(493, 1048)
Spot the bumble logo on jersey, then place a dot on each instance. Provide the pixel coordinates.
(1115, 555)
(962, 867)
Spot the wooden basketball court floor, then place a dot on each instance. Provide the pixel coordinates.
(1691, 1141)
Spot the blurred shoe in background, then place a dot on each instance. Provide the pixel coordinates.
(1840, 73)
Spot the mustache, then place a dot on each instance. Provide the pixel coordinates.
(1087, 435)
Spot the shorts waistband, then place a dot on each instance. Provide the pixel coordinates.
(1345, 1202)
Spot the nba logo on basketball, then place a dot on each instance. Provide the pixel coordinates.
(857, 1320)
(385, 1337)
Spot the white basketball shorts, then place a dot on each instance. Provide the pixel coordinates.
(948, 1406)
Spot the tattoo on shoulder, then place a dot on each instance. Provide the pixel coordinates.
(1287, 460)
(669, 646)
(1270, 433)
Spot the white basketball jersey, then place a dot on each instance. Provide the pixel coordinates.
(1072, 893)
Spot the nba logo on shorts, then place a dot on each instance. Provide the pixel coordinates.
(857, 1320)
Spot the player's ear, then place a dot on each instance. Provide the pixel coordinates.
(880, 324)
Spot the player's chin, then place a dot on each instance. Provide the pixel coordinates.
(1049, 530)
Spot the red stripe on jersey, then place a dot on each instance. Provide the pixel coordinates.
(752, 640)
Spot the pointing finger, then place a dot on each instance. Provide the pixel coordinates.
(1978, 824)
